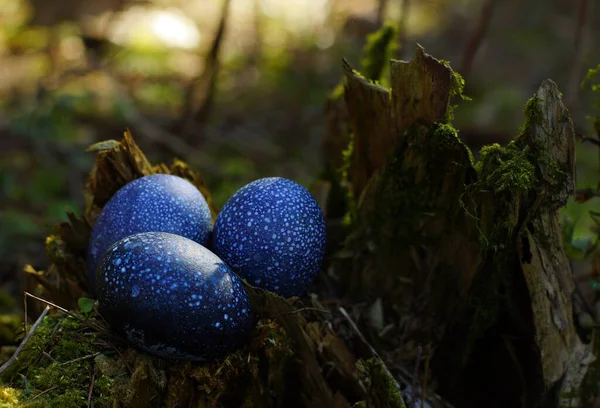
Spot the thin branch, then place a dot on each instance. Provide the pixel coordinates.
(380, 13)
(91, 390)
(403, 27)
(44, 392)
(74, 316)
(48, 356)
(205, 84)
(25, 312)
(304, 309)
(591, 140)
(362, 338)
(577, 53)
(19, 349)
(585, 194)
(48, 303)
(416, 377)
(587, 139)
(76, 360)
(257, 44)
(123, 359)
(476, 37)
(581, 20)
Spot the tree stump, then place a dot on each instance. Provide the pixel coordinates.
(465, 258)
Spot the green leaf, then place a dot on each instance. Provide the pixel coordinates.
(86, 305)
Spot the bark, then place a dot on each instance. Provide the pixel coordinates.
(465, 257)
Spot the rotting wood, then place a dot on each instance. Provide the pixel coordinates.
(467, 257)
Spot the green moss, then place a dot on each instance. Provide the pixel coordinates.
(383, 391)
(406, 185)
(413, 197)
(445, 137)
(378, 52)
(506, 175)
(345, 181)
(506, 169)
(509, 179)
(547, 169)
(456, 92)
(47, 374)
(533, 116)
(9, 397)
(377, 55)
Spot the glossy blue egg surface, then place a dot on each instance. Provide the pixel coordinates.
(272, 233)
(172, 297)
(155, 203)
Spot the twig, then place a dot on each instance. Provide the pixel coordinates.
(476, 37)
(91, 390)
(205, 84)
(74, 316)
(413, 402)
(380, 13)
(76, 360)
(303, 309)
(123, 358)
(403, 29)
(581, 20)
(48, 303)
(577, 52)
(585, 194)
(362, 338)
(19, 349)
(45, 354)
(587, 139)
(25, 312)
(44, 392)
(425, 376)
(255, 51)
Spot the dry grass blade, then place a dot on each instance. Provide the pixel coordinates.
(90, 392)
(88, 323)
(76, 360)
(44, 392)
(364, 340)
(19, 349)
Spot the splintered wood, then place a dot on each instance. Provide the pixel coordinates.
(476, 269)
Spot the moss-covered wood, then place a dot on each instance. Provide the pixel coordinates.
(464, 257)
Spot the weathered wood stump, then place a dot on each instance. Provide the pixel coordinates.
(466, 258)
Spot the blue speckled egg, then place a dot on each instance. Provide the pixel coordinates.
(272, 233)
(172, 297)
(156, 203)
